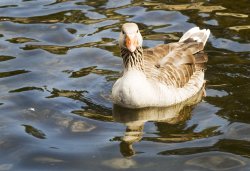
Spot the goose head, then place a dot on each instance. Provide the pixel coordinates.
(130, 37)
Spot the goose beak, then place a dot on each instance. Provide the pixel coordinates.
(131, 42)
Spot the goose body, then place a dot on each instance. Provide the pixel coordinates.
(161, 76)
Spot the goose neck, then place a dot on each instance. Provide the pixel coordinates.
(133, 60)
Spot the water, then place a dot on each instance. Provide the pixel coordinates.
(59, 60)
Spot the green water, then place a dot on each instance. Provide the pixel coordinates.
(59, 60)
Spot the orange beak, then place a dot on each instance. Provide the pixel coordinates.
(131, 42)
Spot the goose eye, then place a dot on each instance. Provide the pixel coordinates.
(137, 31)
(123, 32)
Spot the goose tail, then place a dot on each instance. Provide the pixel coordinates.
(196, 34)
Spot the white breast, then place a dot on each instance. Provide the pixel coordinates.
(132, 89)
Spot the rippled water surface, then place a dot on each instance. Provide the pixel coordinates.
(59, 60)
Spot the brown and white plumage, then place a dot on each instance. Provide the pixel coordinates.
(161, 76)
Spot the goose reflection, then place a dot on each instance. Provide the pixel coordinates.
(134, 119)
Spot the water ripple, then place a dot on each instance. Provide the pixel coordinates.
(60, 58)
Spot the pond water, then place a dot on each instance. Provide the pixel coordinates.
(59, 60)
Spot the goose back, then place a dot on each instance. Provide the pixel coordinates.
(175, 63)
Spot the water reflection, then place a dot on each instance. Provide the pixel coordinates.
(34, 132)
(134, 119)
(194, 6)
(59, 59)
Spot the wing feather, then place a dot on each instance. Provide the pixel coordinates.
(175, 63)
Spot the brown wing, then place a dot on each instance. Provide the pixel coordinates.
(174, 63)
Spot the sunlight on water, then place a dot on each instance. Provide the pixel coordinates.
(60, 58)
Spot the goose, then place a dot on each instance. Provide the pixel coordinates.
(161, 76)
